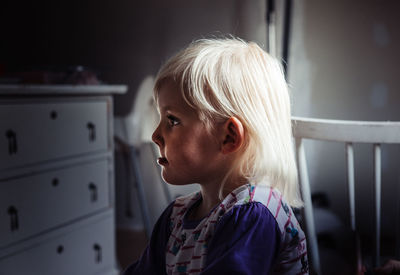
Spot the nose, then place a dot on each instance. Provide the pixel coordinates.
(156, 137)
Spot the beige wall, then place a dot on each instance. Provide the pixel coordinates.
(344, 64)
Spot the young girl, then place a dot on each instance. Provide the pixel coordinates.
(225, 124)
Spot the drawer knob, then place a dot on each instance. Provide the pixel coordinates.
(12, 142)
(92, 131)
(60, 249)
(53, 114)
(55, 182)
(97, 252)
(13, 212)
(93, 192)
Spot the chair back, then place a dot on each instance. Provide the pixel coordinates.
(349, 133)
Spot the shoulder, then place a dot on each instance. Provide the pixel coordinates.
(291, 232)
(263, 201)
(249, 212)
(252, 219)
(272, 200)
(292, 238)
(256, 200)
(268, 203)
(248, 232)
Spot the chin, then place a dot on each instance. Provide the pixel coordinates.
(177, 183)
(174, 181)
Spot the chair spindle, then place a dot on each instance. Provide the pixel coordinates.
(308, 209)
(350, 181)
(377, 184)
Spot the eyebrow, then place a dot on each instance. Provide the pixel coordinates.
(170, 108)
(165, 108)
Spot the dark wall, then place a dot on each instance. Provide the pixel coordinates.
(122, 41)
(106, 36)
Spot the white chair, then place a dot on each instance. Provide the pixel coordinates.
(348, 132)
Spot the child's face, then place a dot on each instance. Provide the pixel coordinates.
(189, 153)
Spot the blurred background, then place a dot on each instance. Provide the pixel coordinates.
(341, 60)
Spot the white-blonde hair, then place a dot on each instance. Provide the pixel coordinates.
(228, 77)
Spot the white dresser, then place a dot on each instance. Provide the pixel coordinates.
(57, 180)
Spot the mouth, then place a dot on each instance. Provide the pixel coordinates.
(162, 161)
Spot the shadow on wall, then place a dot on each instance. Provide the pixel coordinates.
(122, 41)
(163, 28)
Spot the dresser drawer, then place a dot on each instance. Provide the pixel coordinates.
(37, 132)
(87, 250)
(31, 205)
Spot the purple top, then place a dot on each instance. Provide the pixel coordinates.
(246, 240)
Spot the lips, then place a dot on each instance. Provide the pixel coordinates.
(162, 161)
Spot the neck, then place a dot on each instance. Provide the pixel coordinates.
(210, 200)
(211, 196)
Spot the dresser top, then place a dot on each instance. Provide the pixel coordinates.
(33, 89)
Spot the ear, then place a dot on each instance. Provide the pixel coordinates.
(233, 135)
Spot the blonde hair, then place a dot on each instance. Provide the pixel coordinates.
(226, 77)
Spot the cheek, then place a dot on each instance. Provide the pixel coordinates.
(184, 151)
(190, 147)
(199, 149)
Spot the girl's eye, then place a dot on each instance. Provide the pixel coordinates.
(173, 121)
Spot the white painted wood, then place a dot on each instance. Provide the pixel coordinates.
(54, 234)
(75, 128)
(64, 195)
(52, 142)
(347, 130)
(377, 182)
(47, 166)
(86, 250)
(398, 223)
(308, 210)
(350, 181)
(31, 89)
